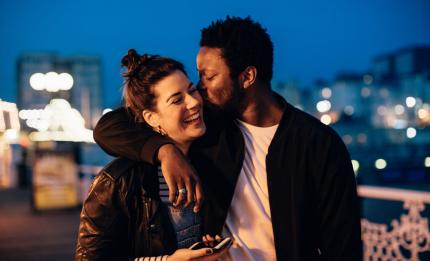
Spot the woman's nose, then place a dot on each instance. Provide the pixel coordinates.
(192, 102)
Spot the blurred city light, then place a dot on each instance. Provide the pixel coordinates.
(347, 139)
(349, 110)
(362, 138)
(365, 92)
(368, 79)
(355, 165)
(37, 81)
(106, 111)
(399, 109)
(326, 119)
(326, 93)
(382, 110)
(410, 102)
(384, 92)
(380, 164)
(411, 132)
(57, 121)
(400, 124)
(423, 114)
(323, 106)
(51, 81)
(11, 136)
(427, 162)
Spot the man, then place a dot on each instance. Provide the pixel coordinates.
(275, 179)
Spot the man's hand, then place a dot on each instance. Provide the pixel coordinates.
(179, 174)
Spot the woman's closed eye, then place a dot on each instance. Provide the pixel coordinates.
(177, 100)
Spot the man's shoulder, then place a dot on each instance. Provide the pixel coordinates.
(297, 121)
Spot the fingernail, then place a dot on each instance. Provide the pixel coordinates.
(209, 251)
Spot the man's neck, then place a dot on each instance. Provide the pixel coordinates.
(262, 108)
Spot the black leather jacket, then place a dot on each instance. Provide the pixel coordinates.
(122, 217)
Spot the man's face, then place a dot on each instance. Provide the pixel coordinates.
(218, 89)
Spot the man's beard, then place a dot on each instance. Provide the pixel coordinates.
(234, 100)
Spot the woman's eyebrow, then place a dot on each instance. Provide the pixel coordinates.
(178, 93)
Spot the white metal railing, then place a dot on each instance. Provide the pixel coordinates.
(408, 236)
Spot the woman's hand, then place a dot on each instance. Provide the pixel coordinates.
(203, 254)
(179, 174)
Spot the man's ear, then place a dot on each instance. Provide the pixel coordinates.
(248, 76)
(151, 118)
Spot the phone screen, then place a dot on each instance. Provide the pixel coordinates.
(223, 243)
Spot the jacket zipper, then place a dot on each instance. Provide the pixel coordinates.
(147, 205)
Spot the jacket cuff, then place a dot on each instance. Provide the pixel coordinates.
(149, 152)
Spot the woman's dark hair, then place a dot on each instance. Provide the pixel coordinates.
(243, 43)
(142, 73)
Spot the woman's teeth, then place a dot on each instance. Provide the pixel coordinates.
(192, 118)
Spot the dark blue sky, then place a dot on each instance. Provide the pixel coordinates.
(313, 39)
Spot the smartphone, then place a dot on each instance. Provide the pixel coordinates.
(222, 244)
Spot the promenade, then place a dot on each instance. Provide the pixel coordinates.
(26, 235)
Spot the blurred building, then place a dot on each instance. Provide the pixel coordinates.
(383, 115)
(290, 91)
(9, 135)
(84, 90)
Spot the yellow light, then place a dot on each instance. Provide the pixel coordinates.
(380, 164)
(422, 114)
(355, 165)
(326, 119)
(427, 162)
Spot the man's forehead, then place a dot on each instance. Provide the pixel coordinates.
(209, 57)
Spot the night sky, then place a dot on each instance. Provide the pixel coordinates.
(312, 39)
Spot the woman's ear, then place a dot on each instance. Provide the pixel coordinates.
(248, 76)
(151, 118)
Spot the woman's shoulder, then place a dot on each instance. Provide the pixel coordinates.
(122, 167)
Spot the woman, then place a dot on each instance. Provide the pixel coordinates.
(127, 214)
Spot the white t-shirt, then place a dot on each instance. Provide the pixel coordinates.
(248, 220)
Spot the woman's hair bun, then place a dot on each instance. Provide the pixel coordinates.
(131, 60)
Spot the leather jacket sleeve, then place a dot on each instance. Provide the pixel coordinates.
(101, 228)
(118, 134)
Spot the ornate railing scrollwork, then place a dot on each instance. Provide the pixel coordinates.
(408, 236)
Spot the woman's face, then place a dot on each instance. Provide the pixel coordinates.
(179, 108)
